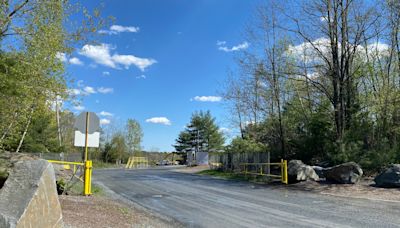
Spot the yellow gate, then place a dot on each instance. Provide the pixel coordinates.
(262, 169)
(137, 162)
(87, 174)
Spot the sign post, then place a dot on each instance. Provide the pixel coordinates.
(87, 135)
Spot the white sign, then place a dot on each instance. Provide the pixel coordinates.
(93, 139)
(87, 121)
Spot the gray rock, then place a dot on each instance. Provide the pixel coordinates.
(346, 173)
(390, 178)
(298, 171)
(319, 171)
(29, 197)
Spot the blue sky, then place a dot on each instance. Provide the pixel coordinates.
(160, 59)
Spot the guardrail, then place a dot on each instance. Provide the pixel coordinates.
(87, 174)
(137, 162)
(263, 169)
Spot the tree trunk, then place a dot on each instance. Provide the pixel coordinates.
(58, 122)
(8, 129)
(26, 130)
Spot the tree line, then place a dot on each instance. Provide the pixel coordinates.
(320, 82)
(33, 82)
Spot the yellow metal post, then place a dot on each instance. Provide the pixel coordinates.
(282, 172)
(127, 163)
(286, 172)
(87, 185)
(87, 190)
(86, 136)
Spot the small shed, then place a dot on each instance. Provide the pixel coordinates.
(197, 158)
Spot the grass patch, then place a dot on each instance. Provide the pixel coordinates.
(97, 190)
(224, 175)
(124, 210)
(76, 188)
(236, 176)
(102, 165)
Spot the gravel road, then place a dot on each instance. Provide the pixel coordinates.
(201, 201)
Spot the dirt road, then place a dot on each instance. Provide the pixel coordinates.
(201, 201)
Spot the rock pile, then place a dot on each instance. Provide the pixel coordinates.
(298, 171)
(390, 178)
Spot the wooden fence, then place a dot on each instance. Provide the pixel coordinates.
(232, 161)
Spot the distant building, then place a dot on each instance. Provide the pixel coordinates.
(199, 158)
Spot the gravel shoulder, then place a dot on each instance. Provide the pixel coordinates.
(361, 190)
(365, 189)
(100, 211)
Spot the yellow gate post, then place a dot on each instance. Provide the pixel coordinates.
(284, 173)
(87, 185)
(128, 163)
(87, 190)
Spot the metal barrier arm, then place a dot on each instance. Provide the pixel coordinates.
(283, 164)
(66, 162)
(87, 183)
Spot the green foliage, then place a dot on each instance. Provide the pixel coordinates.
(41, 135)
(224, 175)
(308, 105)
(118, 148)
(201, 134)
(184, 142)
(134, 135)
(239, 145)
(32, 35)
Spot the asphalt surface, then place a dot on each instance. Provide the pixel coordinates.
(202, 201)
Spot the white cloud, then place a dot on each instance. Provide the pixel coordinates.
(128, 60)
(89, 90)
(104, 121)
(74, 92)
(104, 113)
(101, 54)
(75, 61)
(159, 120)
(116, 29)
(61, 56)
(120, 28)
(225, 130)
(105, 90)
(141, 76)
(307, 52)
(106, 73)
(238, 47)
(79, 107)
(207, 98)
(64, 58)
(219, 43)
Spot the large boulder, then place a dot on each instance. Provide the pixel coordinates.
(346, 173)
(390, 178)
(29, 197)
(298, 171)
(319, 171)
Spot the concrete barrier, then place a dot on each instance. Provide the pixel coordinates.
(29, 197)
